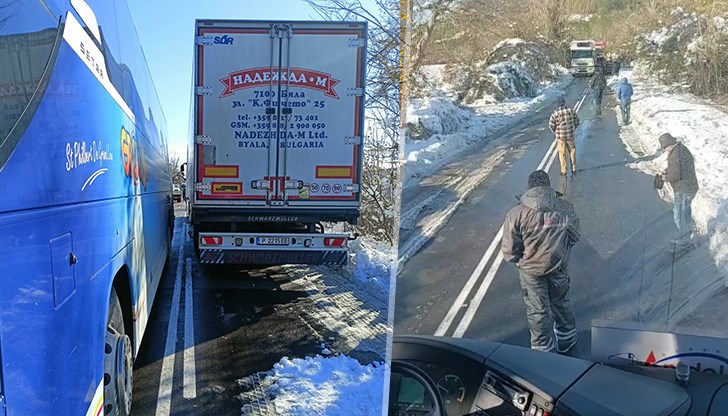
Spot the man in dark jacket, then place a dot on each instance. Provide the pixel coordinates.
(598, 84)
(680, 174)
(537, 236)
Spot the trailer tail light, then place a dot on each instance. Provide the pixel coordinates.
(212, 241)
(334, 242)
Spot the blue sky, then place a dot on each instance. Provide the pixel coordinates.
(166, 31)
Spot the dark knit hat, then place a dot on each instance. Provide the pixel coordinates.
(667, 140)
(538, 178)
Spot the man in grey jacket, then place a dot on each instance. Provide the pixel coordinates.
(538, 235)
(680, 174)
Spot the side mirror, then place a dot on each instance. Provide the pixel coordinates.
(182, 167)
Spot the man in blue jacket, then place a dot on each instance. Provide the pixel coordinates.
(624, 94)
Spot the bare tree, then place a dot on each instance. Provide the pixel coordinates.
(380, 182)
(174, 169)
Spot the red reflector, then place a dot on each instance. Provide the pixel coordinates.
(212, 241)
(334, 242)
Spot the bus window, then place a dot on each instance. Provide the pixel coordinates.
(28, 32)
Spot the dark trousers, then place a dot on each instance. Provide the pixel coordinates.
(548, 310)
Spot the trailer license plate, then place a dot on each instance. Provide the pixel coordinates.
(274, 241)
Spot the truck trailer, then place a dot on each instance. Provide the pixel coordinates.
(278, 121)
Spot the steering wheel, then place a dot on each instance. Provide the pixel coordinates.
(414, 372)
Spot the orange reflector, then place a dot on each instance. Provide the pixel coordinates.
(220, 172)
(212, 241)
(333, 172)
(221, 188)
(334, 242)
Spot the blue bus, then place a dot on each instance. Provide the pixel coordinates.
(86, 212)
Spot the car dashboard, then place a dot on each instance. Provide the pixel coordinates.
(454, 381)
(487, 378)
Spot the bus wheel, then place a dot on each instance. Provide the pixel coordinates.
(117, 362)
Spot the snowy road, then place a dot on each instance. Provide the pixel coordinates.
(233, 324)
(621, 270)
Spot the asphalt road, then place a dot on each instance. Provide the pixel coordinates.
(233, 324)
(622, 271)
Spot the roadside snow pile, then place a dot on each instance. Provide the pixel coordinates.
(687, 44)
(439, 129)
(372, 264)
(513, 69)
(327, 386)
(655, 110)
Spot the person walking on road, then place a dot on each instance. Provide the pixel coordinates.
(563, 124)
(538, 235)
(598, 84)
(624, 94)
(680, 174)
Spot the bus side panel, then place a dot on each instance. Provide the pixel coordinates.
(53, 339)
(108, 193)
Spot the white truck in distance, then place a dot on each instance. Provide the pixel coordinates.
(277, 140)
(583, 57)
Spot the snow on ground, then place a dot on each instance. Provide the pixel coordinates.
(337, 385)
(349, 313)
(454, 128)
(348, 375)
(656, 109)
(372, 265)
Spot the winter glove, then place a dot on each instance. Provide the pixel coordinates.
(659, 182)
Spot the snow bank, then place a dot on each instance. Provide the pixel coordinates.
(688, 41)
(513, 69)
(337, 385)
(701, 127)
(439, 129)
(372, 265)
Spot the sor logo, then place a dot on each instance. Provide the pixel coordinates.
(133, 159)
(222, 40)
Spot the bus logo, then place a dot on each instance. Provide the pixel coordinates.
(133, 159)
(223, 40)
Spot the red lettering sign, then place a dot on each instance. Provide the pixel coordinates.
(297, 77)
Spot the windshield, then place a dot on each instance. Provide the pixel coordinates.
(581, 54)
(638, 238)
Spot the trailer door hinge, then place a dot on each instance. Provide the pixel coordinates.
(281, 31)
(358, 92)
(202, 187)
(203, 90)
(203, 139)
(353, 140)
(203, 40)
(357, 42)
(353, 188)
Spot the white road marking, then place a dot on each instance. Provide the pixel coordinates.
(478, 298)
(463, 296)
(190, 379)
(461, 300)
(166, 377)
